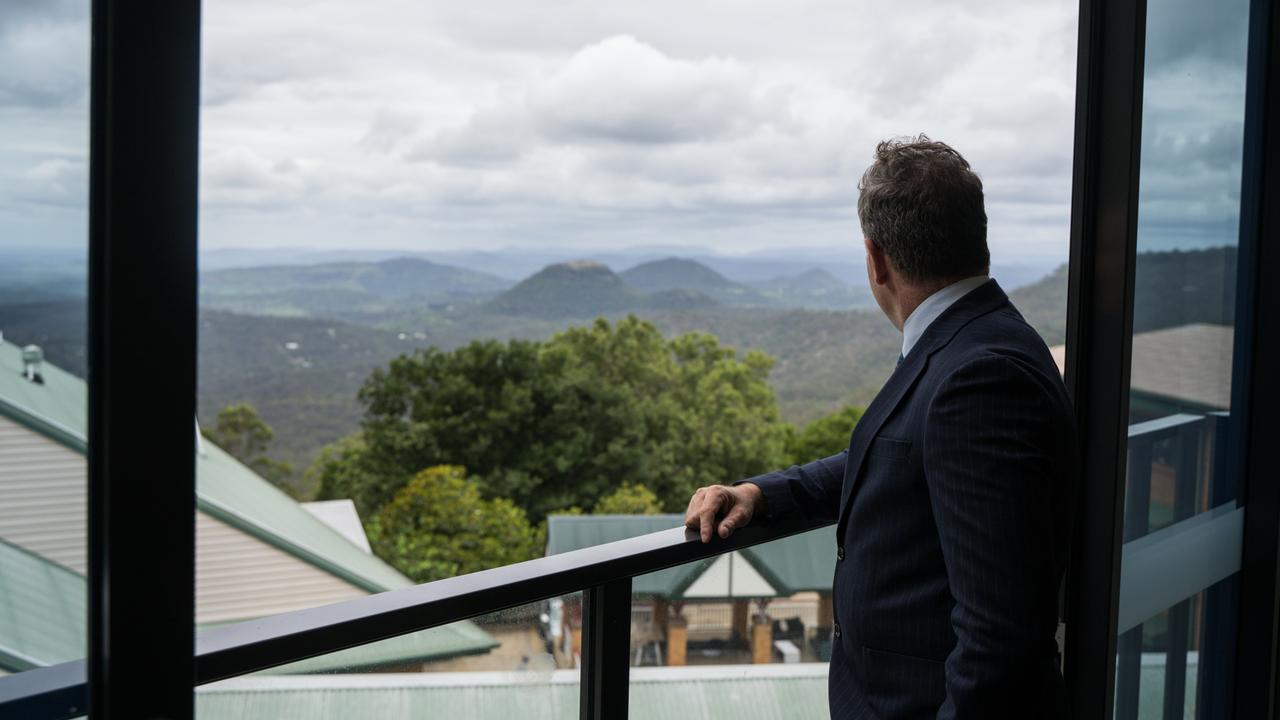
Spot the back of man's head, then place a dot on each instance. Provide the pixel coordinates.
(922, 205)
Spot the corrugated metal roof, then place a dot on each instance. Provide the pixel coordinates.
(58, 407)
(42, 605)
(225, 488)
(42, 611)
(236, 495)
(573, 532)
(794, 564)
(723, 692)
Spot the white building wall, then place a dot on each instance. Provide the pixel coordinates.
(42, 495)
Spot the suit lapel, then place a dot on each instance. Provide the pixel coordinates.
(980, 301)
(872, 420)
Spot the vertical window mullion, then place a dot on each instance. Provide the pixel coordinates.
(144, 110)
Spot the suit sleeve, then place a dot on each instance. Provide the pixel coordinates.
(989, 452)
(812, 489)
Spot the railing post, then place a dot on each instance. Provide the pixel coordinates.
(1137, 508)
(606, 650)
(1186, 481)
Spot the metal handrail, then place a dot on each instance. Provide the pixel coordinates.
(58, 691)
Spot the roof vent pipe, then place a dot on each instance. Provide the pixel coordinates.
(32, 358)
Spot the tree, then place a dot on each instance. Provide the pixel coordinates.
(240, 431)
(438, 526)
(629, 500)
(567, 421)
(824, 436)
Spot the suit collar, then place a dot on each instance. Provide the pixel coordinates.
(984, 299)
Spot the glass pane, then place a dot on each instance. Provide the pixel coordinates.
(44, 149)
(520, 662)
(1181, 488)
(746, 630)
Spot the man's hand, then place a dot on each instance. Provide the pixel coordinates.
(734, 506)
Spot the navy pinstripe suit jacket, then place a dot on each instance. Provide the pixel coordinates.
(954, 503)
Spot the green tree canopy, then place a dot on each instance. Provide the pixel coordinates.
(438, 526)
(823, 437)
(629, 500)
(566, 421)
(240, 431)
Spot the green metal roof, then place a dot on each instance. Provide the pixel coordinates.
(233, 493)
(761, 692)
(794, 564)
(225, 488)
(43, 616)
(574, 532)
(58, 407)
(42, 605)
(42, 611)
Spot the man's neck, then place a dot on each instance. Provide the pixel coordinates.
(911, 297)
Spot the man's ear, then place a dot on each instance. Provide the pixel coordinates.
(877, 262)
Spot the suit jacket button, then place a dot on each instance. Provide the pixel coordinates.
(840, 553)
(836, 630)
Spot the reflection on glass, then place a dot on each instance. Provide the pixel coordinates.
(44, 148)
(1180, 491)
(521, 662)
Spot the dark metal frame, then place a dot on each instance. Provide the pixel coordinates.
(145, 92)
(1257, 387)
(606, 651)
(1104, 216)
(1099, 341)
(144, 114)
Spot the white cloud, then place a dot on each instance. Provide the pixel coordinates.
(730, 123)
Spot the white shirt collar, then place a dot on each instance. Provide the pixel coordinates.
(926, 312)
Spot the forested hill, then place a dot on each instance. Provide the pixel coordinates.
(574, 289)
(677, 274)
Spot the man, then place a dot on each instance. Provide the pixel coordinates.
(953, 500)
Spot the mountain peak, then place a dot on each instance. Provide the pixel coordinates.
(579, 288)
(676, 273)
(582, 265)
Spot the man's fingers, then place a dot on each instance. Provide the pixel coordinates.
(691, 512)
(737, 516)
(707, 514)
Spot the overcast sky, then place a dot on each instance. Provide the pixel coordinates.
(731, 124)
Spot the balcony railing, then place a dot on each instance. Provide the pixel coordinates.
(603, 573)
(1200, 534)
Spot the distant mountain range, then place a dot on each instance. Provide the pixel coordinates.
(304, 338)
(516, 263)
(403, 293)
(356, 291)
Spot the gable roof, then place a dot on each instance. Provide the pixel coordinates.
(233, 493)
(43, 619)
(226, 490)
(794, 564)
